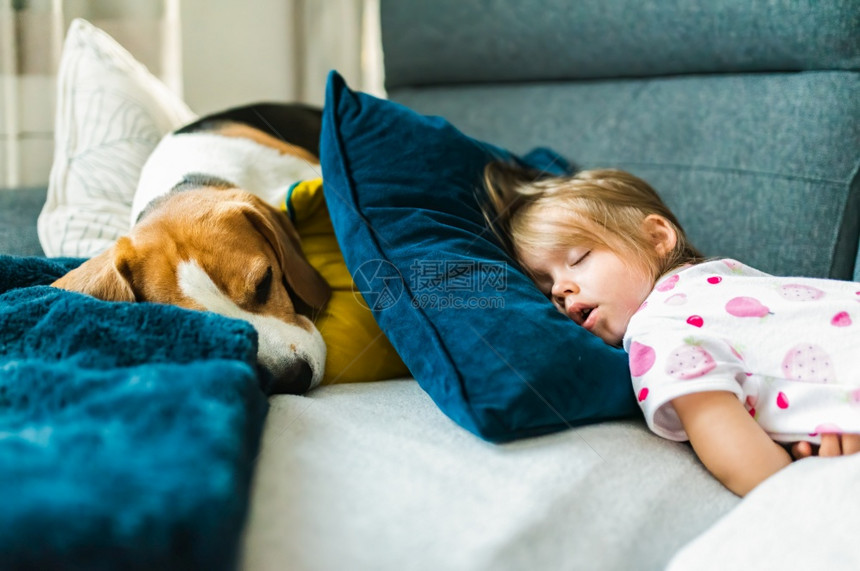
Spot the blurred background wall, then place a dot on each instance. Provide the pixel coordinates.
(213, 53)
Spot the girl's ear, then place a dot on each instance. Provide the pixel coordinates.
(660, 233)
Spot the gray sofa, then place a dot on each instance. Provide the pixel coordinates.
(19, 209)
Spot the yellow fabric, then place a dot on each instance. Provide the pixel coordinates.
(357, 350)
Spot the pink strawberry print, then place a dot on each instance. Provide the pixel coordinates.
(746, 307)
(841, 319)
(733, 265)
(808, 362)
(800, 292)
(668, 283)
(714, 280)
(677, 299)
(854, 397)
(828, 428)
(696, 320)
(643, 394)
(750, 403)
(689, 361)
(641, 359)
(782, 400)
(734, 350)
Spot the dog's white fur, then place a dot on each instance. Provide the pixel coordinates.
(263, 171)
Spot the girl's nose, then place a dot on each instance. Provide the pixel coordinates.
(561, 291)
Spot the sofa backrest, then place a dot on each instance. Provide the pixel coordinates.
(744, 115)
(19, 210)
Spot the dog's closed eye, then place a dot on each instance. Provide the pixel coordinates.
(264, 288)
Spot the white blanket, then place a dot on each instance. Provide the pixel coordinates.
(375, 477)
(805, 517)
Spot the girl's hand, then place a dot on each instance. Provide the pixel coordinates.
(831, 445)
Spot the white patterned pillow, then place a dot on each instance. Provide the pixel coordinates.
(111, 113)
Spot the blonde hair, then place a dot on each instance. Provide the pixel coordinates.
(592, 208)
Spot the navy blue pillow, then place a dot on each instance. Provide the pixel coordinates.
(404, 192)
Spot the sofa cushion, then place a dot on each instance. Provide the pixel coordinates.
(111, 113)
(404, 194)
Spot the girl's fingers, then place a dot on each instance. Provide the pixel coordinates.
(830, 445)
(850, 443)
(800, 450)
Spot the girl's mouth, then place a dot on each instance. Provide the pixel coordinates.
(589, 318)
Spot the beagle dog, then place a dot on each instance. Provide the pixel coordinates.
(206, 235)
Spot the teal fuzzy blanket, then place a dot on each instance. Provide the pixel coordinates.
(128, 432)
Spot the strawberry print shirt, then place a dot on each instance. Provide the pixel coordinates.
(789, 348)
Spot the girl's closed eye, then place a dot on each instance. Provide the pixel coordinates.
(579, 258)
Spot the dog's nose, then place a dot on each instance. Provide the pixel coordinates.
(296, 380)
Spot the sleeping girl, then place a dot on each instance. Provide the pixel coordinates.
(732, 359)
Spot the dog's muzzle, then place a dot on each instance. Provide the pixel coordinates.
(297, 380)
(293, 353)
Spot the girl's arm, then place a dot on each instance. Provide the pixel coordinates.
(728, 441)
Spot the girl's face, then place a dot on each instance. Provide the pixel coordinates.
(593, 286)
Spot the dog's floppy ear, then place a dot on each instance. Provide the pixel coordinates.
(105, 276)
(302, 278)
